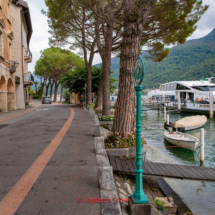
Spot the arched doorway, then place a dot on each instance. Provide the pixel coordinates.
(2, 84)
(10, 85)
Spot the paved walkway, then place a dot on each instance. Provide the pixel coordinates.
(47, 161)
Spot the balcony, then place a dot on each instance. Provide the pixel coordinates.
(27, 55)
(28, 79)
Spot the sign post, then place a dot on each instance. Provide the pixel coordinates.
(139, 197)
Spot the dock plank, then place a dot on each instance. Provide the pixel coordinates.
(124, 166)
(130, 166)
(164, 169)
(113, 162)
(118, 164)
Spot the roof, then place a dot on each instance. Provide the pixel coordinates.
(27, 17)
(193, 83)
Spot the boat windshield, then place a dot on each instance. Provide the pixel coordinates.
(204, 88)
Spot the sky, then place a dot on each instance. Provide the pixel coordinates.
(40, 37)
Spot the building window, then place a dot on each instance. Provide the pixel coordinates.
(10, 51)
(1, 43)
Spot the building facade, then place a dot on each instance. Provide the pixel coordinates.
(15, 34)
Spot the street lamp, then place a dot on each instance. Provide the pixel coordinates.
(139, 197)
(16, 64)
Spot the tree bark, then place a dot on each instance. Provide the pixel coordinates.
(99, 94)
(130, 49)
(61, 93)
(41, 96)
(55, 91)
(47, 89)
(51, 91)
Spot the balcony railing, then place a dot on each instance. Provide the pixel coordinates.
(28, 55)
(28, 78)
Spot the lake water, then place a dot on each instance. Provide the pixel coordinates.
(198, 195)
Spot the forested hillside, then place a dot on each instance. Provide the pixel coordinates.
(193, 60)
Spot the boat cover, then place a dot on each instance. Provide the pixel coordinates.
(190, 121)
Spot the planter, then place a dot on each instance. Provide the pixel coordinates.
(106, 124)
(126, 152)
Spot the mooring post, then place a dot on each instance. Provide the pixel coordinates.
(211, 104)
(164, 114)
(202, 145)
(164, 97)
(179, 101)
(167, 120)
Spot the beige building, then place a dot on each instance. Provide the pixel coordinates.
(15, 34)
(22, 30)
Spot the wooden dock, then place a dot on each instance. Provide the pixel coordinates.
(164, 170)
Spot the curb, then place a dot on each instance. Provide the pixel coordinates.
(105, 172)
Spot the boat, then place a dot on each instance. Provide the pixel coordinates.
(182, 140)
(192, 95)
(189, 123)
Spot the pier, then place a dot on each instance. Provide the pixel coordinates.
(127, 166)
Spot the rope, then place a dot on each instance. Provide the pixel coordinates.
(186, 153)
(170, 146)
(163, 211)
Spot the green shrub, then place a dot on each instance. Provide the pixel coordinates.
(158, 203)
(117, 141)
(106, 118)
(90, 105)
(36, 96)
(65, 102)
(59, 102)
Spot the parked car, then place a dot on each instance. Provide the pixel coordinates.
(46, 100)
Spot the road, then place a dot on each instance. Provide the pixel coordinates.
(47, 161)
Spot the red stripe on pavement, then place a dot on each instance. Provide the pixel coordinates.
(35, 106)
(17, 194)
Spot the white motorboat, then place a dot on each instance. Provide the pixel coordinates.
(182, 140)
(193, 95)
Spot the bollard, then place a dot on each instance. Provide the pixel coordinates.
(179, 101)
(211, 104)
(202, 145)
(164, 114)
(167, 120)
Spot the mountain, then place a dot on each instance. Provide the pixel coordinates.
(193, 60)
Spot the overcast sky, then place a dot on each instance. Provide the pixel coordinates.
(39, 40)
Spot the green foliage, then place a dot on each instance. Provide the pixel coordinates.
(66, 96)
(158, 203)
(106, 118)
(154, 190)
(90, 105)
(76, 79)
(36, 96)
(117, 141)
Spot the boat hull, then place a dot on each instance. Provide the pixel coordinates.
(191, 144)
(189, 128)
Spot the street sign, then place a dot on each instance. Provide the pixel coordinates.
(138, 70)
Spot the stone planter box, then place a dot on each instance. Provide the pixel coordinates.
(126, 152)
(106, 124)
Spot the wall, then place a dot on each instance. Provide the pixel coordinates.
(16, 11)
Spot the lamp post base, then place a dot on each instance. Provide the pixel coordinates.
(139, 209)
(139, 198)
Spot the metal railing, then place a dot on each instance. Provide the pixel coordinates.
(28, 77)
(28, 53)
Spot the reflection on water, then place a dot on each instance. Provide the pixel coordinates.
(198, 195)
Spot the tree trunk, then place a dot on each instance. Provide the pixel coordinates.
(130, 50)
(61, 93)
(47, 89)
(36, 89)
(51, 91)
(89, 86)
(41, 96)
(55, 91)
(99, 94)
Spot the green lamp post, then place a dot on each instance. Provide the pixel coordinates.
(139, 197)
